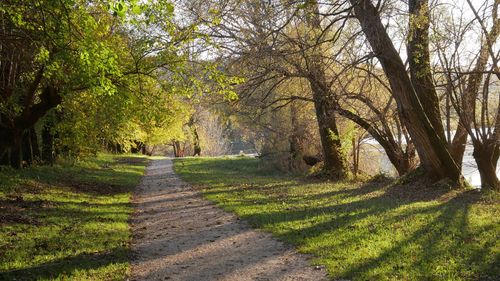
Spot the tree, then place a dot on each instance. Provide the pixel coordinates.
(417, 104)
(270, 31)
(324, 102)
(469, 85)
(44, 55)
(365, 98)
(98, 62)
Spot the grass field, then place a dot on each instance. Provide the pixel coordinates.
(69, 221)
(376, 230)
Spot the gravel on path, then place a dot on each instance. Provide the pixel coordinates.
(178, 235)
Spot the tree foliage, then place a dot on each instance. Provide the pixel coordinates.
(109, 71)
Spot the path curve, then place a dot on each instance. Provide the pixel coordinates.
(178, 235)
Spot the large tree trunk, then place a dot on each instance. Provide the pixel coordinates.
(178, 149)
(486, 156)
(431, 147)
(12, 130)
(13, 148)
(10, 137)
(335, 164)
(419, 60)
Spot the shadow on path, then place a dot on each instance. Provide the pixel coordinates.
(180, 236)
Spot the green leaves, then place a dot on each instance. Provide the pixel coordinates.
(125, 68)
(129, 10)
(169, 7)
(136, 9)
(42, 56)
(118, 8)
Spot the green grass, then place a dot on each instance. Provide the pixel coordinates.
(363, 231)
(69, 221)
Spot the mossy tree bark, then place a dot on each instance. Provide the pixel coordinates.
(419, 61)
(335, 164)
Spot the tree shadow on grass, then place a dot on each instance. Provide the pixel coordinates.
(67, 228)
(349, 203)
(433, 235)
(65, 267)
(53, 213)
(132, 160)
(35, 212)
(94, 188)
(446, 248)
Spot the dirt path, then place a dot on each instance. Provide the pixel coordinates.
(178, 235)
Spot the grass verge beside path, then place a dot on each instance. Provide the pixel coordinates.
(69, 221)
(361, 231)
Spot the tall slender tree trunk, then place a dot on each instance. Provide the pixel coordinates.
(48, 143)
(26, 148)
(430, 144)
(34, 144)
(295, 158)
(355, 156)
(196, 143)
(16, 155)
(196, 137)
